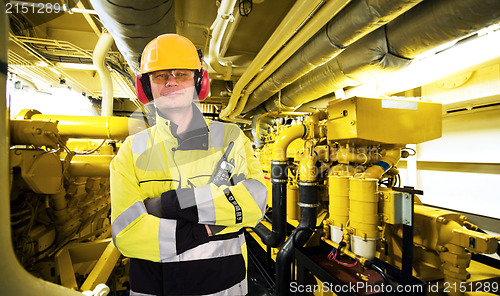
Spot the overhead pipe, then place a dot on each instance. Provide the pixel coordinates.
(99, 59)
(262, 124)
(279, 178)
(218, 28)
(392, 47)
(230, 35)
(300, 12)
(134, 23)
(356, 20)
(369, 56)
(317, 20)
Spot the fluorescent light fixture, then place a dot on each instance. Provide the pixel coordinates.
(77, 66)
(41, 64)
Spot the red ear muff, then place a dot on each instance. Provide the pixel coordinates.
(205, 86)
(141, 96)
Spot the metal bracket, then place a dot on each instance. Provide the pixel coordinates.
(406, 209)
(404, 204)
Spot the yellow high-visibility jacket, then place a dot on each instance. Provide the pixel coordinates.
(157, 160)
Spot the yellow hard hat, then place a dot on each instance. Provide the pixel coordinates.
(169, 51)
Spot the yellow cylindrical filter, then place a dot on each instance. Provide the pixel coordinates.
(292, 193)
(363, 216)
(338, 191)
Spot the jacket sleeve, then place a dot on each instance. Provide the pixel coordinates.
(240, 205)
(136, 233)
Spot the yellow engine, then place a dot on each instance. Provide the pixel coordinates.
(350, 155)
(59, 195)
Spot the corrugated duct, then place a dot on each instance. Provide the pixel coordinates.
(357, 19)
(392, 47)
(134, 23)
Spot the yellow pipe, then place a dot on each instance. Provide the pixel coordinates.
(349, 155)
(99, 60)
(94, 127)
(272, 114)
(285, 138)
(90, 165)
(316, 117)
(389, 159)
(320, 19)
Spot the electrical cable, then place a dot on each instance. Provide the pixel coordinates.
(333, 256)
(411, 149)
(370, 264)
(90, 151)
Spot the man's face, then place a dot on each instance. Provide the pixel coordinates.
(173, 90)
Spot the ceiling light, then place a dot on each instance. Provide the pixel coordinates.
(77, 66)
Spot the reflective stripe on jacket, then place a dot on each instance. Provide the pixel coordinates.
(156, 160)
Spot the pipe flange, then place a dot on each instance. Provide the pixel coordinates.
(307, 183)
(307, 205)
(279, 180)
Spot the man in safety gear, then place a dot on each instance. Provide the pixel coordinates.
(181, 226)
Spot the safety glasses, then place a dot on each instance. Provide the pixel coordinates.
(180, 75)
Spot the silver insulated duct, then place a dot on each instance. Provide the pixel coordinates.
(134, 23)
(391, 47)
(357, 19)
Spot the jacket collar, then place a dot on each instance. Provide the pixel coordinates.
(195, 136)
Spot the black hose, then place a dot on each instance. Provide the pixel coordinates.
(276, 237)
(370, 264)
(308, 197)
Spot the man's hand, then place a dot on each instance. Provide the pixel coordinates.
(174, 204)
(214, 229)
(153, 206)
